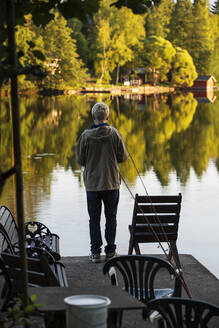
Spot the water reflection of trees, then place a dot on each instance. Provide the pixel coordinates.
(49, 129)
(168, 122)
(153, 128)
(162, 133)
(198, 144)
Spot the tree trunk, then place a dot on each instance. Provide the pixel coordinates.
(17, 146)
(117, 74)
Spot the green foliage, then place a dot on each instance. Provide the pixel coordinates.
(107, 36)
(118, 34)
(183, 69)
(62, 62)
(20, 315)
(138, 6)
(201, 39)
(42, 14)
(41, 10)
(30, 42)
(158, 18)
(214, 62)
(159, 54)
(82, 43)
(77, 8)
(181, 24)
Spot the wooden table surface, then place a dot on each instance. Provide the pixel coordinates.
(52, 298)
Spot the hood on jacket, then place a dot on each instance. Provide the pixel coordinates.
(102, 133)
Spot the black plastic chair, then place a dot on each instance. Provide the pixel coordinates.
(144, 277)
(177, 312)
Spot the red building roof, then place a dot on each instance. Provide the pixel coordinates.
(205, 78)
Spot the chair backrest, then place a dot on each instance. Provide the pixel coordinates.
(8, 224)
(35, 229)
(5, 286)
(39, 271)
(161, 213)
(140, 273)
(176, 312)
(5, 245)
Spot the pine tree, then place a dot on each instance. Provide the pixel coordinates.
(214, 63)
(181, 24)
(201, 43)
(62, 59)
(82, 44)
(158, 18)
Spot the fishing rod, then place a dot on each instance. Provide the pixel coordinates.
(156, 217)
(177, 269)
(160, 226)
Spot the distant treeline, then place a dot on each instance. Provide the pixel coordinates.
(173, 42)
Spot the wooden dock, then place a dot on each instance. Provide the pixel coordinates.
(202, 284)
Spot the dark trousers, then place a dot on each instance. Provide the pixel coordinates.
(110, 199)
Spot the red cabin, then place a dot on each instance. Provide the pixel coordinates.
(204, 82)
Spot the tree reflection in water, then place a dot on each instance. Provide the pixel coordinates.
(166, 133)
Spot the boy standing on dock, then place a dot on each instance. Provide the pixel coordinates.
(99, 150)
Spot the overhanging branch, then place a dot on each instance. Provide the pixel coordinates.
(12, 72)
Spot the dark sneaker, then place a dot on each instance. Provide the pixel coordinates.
(110, 256)
(95, 258)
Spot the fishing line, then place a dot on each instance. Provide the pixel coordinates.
(160, 226)
(177, 269)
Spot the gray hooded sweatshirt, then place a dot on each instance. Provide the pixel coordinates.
(100, 150)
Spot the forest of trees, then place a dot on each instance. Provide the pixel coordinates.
(173, 42)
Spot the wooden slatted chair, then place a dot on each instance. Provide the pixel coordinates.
(34, 230)
(155, 217)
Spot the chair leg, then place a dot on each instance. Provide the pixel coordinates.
(160, 324)
(137, 249)
(114, 319)
(130, 251)
(173, 252)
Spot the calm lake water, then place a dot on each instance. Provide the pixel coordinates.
(174, 141)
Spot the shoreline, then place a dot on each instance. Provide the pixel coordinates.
(113, 90)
